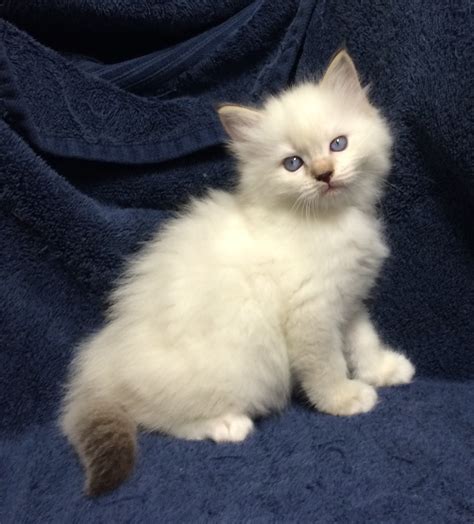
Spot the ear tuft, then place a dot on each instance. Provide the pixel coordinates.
(341, 74)
(239, 121)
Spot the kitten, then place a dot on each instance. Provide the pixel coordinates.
(249, 293)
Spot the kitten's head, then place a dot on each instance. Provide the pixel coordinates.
(317, 146)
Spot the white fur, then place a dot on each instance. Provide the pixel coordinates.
(250, 293)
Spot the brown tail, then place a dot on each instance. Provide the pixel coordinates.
(106, 443)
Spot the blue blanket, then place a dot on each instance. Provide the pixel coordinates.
(108, 125)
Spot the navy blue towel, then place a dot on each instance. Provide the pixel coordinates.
(108, 125)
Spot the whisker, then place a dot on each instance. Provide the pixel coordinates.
(393, 186)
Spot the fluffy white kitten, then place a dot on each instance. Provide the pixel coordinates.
(249, 293)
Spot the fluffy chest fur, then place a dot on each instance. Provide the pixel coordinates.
(332, 260)
(225, 255)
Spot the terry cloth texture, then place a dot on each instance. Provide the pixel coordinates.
(108, 125)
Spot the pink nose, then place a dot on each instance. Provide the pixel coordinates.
(324, 177)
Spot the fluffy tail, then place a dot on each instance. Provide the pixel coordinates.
(104, 436)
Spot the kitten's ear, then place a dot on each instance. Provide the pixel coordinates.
(239, 121)
(341, 74)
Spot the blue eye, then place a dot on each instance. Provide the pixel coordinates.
(292, 163)
(338, 144)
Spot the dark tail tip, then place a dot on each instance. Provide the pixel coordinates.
(108, 450)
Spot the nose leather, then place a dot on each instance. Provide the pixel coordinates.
(324, 177)
(322, 169)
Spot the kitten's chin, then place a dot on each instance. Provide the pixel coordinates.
(334, 195)
(332, 190)
(328, 200)
(337, 197)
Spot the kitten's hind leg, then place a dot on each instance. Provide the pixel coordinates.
(227, 428)
(371, 361)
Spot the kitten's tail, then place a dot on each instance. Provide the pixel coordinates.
(104, 436)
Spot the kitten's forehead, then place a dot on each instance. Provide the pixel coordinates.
(306, 115)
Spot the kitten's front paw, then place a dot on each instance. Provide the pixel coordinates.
(348, 397)
(390, 369)
(230, 428)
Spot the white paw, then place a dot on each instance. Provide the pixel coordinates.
(230, 428)
(347, 397)
(390, 369)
